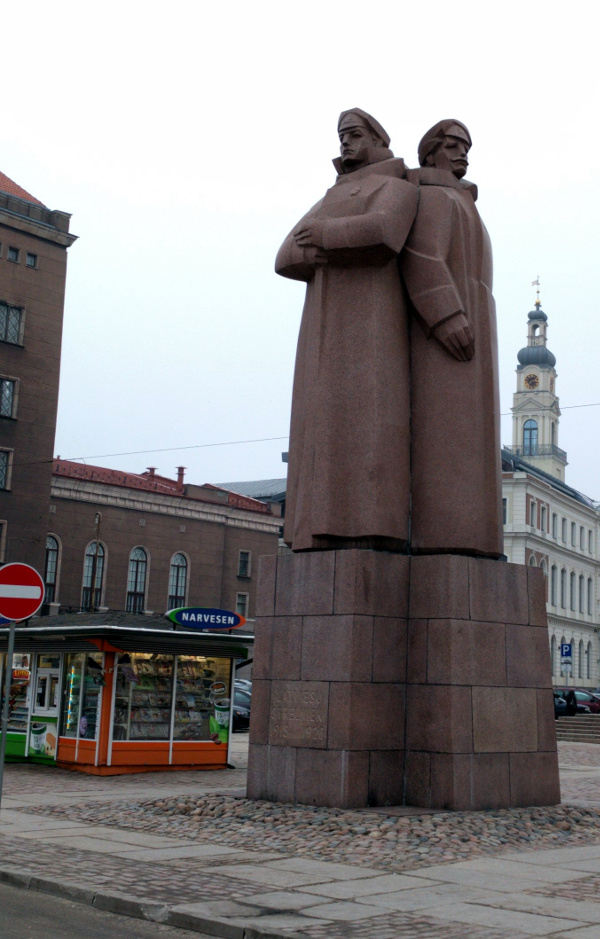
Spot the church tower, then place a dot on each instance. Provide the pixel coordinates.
(535, 404)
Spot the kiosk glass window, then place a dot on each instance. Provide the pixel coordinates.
(81, 695)
(202, 697)
(47, 683)
(18, 701)
(143, 697)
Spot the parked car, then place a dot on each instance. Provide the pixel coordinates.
(241, 709)
(244, 684)
(591, 701)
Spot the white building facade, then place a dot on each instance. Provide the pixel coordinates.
(546, 523)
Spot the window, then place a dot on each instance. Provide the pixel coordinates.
(244, 564)
(590, 541)
(532, 560)
(573, 534)
(543, 522)
(590, 595)
(530, 438)
(136, 581)
(553, 654)
(564, 530)
(572, 590)
(93, 570)
(504, 511)
(580, 659)
(5, 468)
(13, 255)
(183, 706)
(532, 513)
(581, 537)
(10, 323)
(7, 397)
(51, 569)
(241, 604)
(588, 662)
(177, 581)
(553, 574)
(563, 589)
(581, 593)
(31, 260)
(554, 525)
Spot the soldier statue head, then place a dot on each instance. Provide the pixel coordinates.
(446, 146)
(360, 135)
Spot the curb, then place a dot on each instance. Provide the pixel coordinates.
(119, 903)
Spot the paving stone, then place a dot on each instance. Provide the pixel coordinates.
(529, 923)
(348, 890)
(270, 875)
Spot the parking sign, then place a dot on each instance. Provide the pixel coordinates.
(565, 650)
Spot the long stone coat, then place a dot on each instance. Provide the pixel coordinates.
(455, 432)
(349, 475)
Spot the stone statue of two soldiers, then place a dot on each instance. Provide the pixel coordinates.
(394, 440)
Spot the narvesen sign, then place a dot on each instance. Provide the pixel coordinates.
(208, 620)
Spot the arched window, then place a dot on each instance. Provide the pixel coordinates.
(590, 595)
(563, 589)
(177, 581)
(136, 581)
(588, 663)
(580, 657)
(553, 573)
(553, 654)
(581, 593)
(532, 560)
(572, 590)
(51, 569)
(93, 569)
(530, 438)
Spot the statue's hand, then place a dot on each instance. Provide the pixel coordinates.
(316, 256)
(456, 337)
(310, 235)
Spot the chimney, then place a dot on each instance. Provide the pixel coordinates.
(151, 470)
(180, 474)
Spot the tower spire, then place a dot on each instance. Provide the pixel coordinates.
(535, 408)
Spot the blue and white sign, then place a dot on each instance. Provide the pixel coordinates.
(205, 619)
(565, 650)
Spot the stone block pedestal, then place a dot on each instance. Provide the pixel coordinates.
(381, 679)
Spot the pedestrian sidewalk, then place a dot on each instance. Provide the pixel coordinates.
(242, 894)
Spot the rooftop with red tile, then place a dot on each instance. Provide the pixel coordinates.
(152, 482)
(13, 189)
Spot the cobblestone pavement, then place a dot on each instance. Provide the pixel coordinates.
(183, 840)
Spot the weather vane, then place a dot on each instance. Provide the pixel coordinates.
(536, 283)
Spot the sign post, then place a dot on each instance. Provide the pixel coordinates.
(21, 596)
(566, 660)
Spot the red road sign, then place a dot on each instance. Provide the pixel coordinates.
(21, 591)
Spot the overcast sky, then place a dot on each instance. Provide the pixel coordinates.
(187, 138)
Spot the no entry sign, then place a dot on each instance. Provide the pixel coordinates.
(21, 591)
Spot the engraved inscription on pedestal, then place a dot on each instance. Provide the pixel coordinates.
(299, 714)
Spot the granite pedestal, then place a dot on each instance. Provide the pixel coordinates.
(382, 679)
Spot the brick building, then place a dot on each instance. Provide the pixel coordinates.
(33, 266)
(151, 543)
